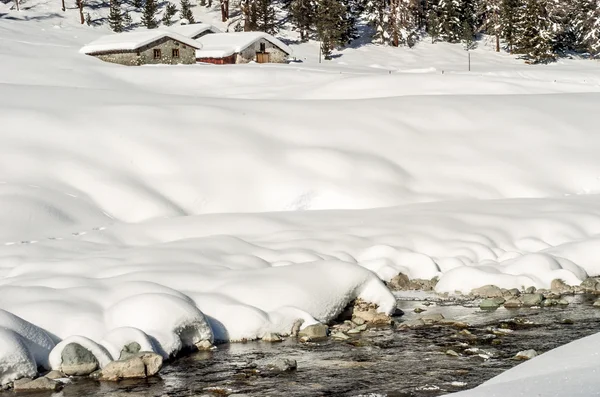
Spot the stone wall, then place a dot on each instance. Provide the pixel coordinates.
(145, 55)
(249, 54)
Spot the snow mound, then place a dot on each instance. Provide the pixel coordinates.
(567, 371)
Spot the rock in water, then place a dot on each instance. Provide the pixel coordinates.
(141, 365)
(432, 318)
(282, 365)
(487, 291)
(314, 331)
(526, 354)
(513, 303)
(532, 299)
(491, 303)
(55, 375)
(271, 337)
(43, 383)
(77, 360)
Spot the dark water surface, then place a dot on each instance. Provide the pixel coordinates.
(387, 361)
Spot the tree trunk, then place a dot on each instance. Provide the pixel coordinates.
(224, 10)
(63, 6)
(80, 5)
(17, 4)
(497, 42)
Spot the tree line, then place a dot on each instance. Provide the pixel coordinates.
(537, 30)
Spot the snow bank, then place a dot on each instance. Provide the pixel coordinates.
(568, 371)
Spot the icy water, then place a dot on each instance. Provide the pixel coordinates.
(387, 361)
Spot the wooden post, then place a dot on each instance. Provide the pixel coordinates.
(469, 61)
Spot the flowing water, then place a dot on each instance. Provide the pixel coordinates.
(385, 361)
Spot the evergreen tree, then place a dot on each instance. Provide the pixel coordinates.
(186, 11)
(535, 40)
(449, 20)
(377, 15)
(509, 21)
(491, 19)
(348, 24)
(148, 14)
(127, 21)
(433, 27)
(302, 16)
(170, 12)
(468, 36)
(115, 17)
(138, 3)
(402, 24)
(265, 17)
(328, 17)
(591, 30)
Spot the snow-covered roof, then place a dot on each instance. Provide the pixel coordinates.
(130, 41)
(224, 44)
(193, 29)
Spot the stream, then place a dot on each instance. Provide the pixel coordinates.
(389, 361)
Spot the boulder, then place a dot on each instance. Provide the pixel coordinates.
(55, 375)
(491, 303)
(487, 291)
(399, 283)
(513, 303)
(282, 365)
(77, 360)
(129, 350)
(271, 337)
(432, 318)
(340, 335)
(558, 285)
(141, 365)
(590, 284)
(43, 383)
(597, 303)
(204, 345)
(315, 331)
(532, 299)
(370, 316)
(530, 290)
(526, 354)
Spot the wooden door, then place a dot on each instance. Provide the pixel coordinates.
(262, 57)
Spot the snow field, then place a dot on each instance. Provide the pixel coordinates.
(164, 205)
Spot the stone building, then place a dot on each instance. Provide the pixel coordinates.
(143, 48)
(242, 47)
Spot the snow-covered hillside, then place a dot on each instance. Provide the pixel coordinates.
(179, 193)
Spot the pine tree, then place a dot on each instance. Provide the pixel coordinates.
(115, 17)
(348, 24)
(302, 16)
(170, 12)
(433, 23)
(449, 20)
(402, 23)
(491, 19)
(138, 3)
(265, 17)
(591, 30)
(329, 14)
(510, 10)
(148, 14)
(377, 15)
(535, 39)
(186, 11)
(127, 21)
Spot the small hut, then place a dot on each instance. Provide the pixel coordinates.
(242, 47)
(145, 47)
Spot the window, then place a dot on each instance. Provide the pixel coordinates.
(263, 47)
(157, 54)
(175, 52)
